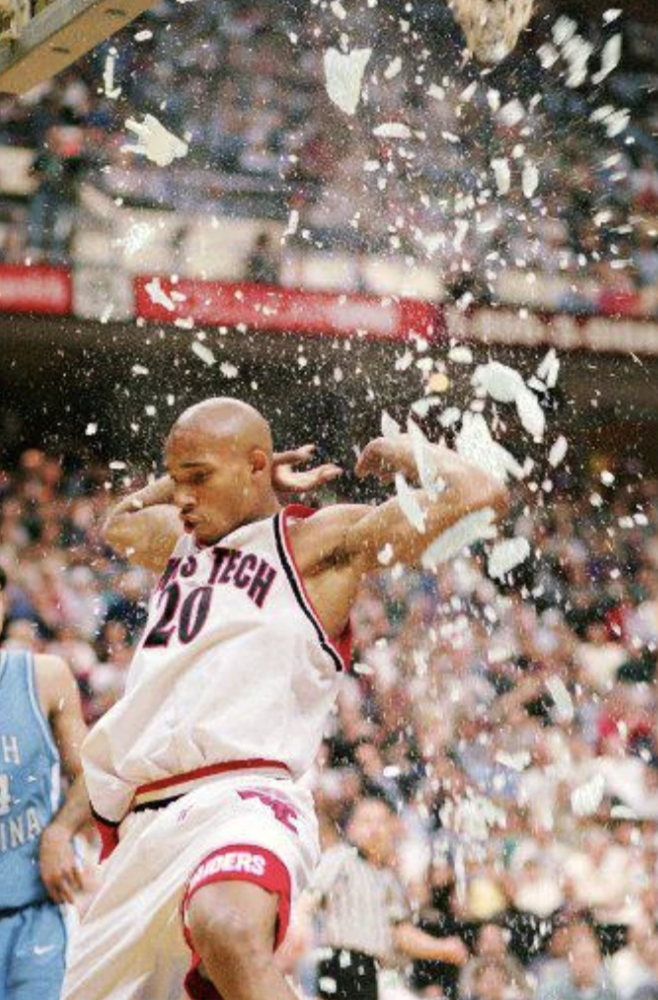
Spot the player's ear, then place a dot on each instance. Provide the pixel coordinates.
(259, 460)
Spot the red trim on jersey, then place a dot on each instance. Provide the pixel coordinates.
(268, 872)
(343, 645)
(163, 784)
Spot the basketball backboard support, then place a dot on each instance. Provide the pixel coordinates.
(59, 35)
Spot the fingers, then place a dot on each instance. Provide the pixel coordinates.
(60, 888)
(297, 456)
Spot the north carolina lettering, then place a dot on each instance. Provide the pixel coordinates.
(20, 829)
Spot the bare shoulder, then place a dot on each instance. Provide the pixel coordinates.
(317, 539)
(54, 680)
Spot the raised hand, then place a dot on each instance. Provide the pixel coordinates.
(287, 478)
(382, 458)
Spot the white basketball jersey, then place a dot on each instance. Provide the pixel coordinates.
(233, 665)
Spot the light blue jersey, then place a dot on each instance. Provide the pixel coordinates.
(32, 929)
(29, 782)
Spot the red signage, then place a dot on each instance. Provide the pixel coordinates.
(283, 310)
(39, 289)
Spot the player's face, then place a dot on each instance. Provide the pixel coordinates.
(214, 485)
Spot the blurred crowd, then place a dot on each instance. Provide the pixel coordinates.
(245, 85)
(510, 728)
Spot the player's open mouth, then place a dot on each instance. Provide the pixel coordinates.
(189, 523)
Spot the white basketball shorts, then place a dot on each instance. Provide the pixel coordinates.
(133, 943)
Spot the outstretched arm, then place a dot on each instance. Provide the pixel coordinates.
(145, 526)
(464, 490)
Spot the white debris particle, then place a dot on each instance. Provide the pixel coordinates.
(610, 58)
(607, 478)
(472, 817)
(363, 668)
(393, 68)
(548, 55)
(462, 226)
(515, 762)
(109, 89)
(338, 10)
(577, 53)
(614, 120)
(385, 555)
(118, 465)
(327, 984)
(530, 179)
(549, 369)
(427, 460)
(422, 407)
(293, 223)
(499, 381)
(436, 92)
(493, 99)
(203, 352)
(228, 370)
(612, 15)
(155, 142)
(506, 556)
(503, 174)
(450, 416)
(563, 29)
(475, 444)
(461, 355)
(404, 361)
(158, 296)
(143, 36)
(586, 799)
(530, 414)
(563, 704)
(139, 370)
(392, 130)
(474, 527)
(409, 504)
(558, 451)
(390, 428)
(512, 113)
(344, 77)
(91, 429)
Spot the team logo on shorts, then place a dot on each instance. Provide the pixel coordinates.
(248, 862)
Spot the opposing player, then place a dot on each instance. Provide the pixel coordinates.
(193, 771)
(41, 724)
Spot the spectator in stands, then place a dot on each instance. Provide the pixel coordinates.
(263, 264)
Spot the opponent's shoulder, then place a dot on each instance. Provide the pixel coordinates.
(318, 538)
(54, 679)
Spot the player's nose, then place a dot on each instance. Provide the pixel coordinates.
(184, 498)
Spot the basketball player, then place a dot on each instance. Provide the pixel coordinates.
(40, 725)
(194, 770)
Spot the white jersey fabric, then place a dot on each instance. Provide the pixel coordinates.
(234, 665)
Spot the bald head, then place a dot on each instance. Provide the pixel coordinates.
(226, 419)
(219, 455)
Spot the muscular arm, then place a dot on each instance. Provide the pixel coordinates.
(466, 489)
(337, 547)
(60, 700)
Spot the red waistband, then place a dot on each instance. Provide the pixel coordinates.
(172, 782)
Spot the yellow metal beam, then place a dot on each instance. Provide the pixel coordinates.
(58, 36)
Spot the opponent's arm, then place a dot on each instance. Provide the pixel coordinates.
(467, 489)
(145, 526)
(59, 695)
